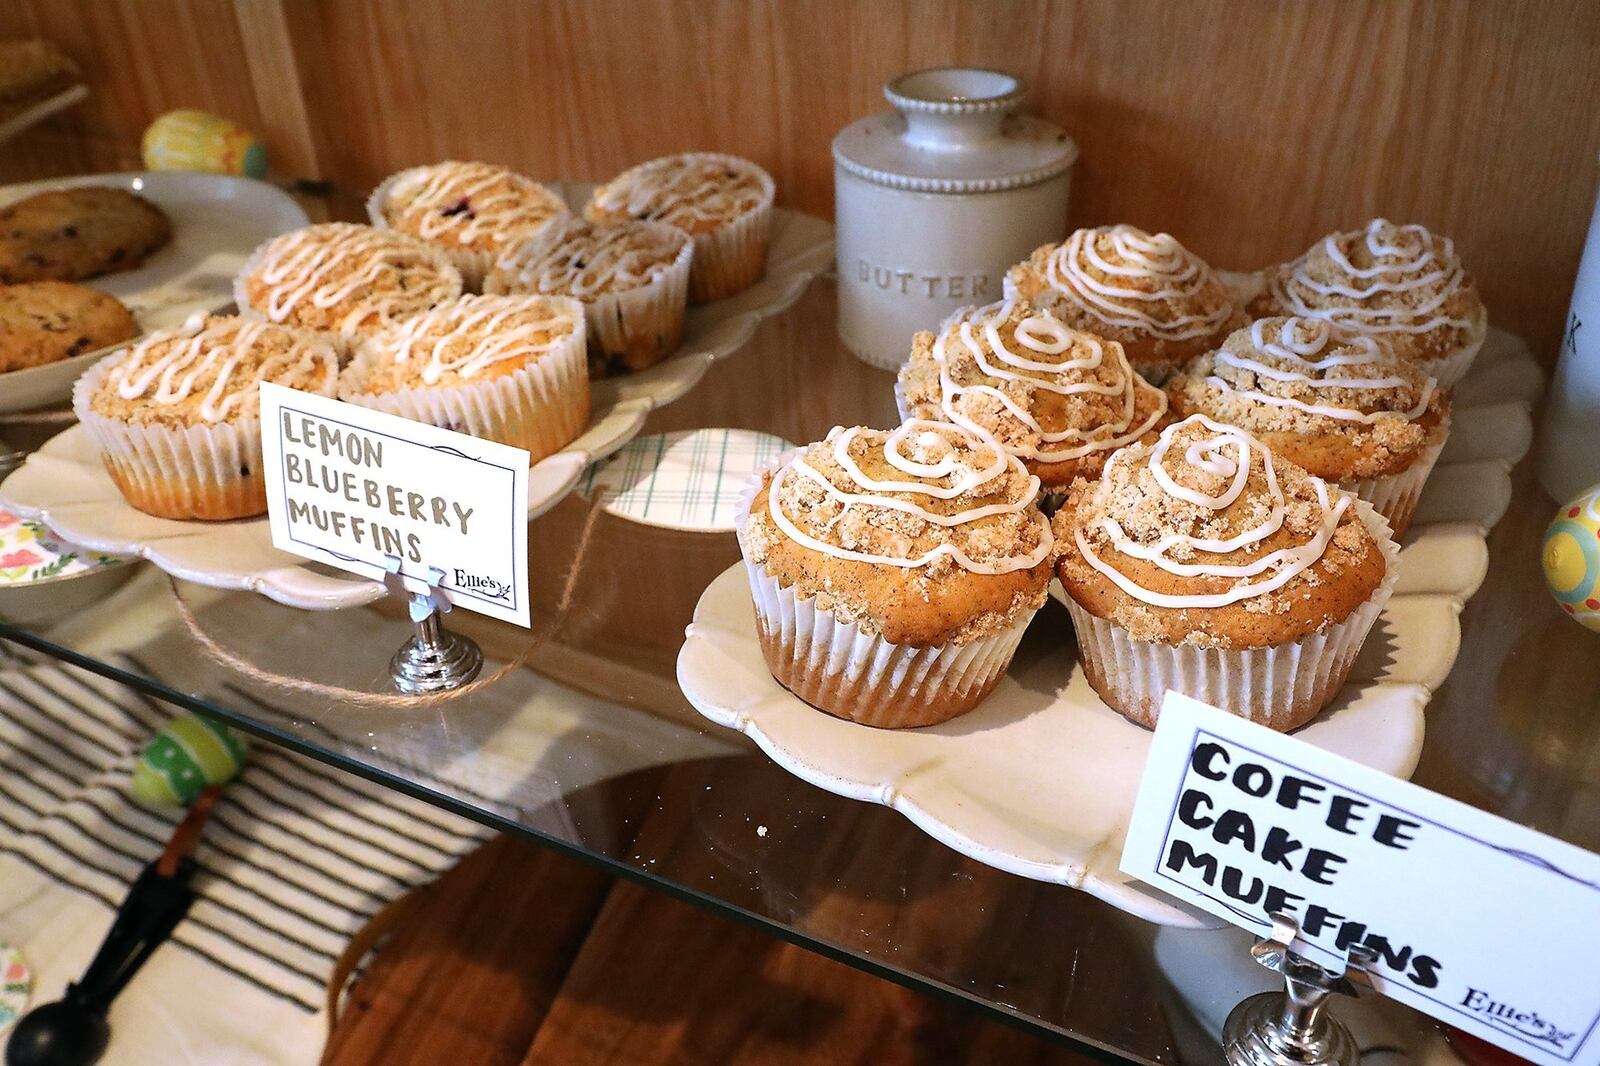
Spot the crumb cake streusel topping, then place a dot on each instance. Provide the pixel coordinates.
(576, 257)
(927, 496)
(695, 192)
(341, 276)
(1305, 375)
(1209, 506)
(1122, 276)
(470, 205)
(1044, 390)
(1403, 281)
(470, 339)
(210, 369)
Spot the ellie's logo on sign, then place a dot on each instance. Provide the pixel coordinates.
(1526, 1022)
(486, 587)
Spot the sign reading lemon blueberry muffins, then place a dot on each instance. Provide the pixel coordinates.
(1245, 823)
(373, 493)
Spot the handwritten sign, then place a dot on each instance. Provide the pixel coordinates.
(1479, 922)
(366, 492)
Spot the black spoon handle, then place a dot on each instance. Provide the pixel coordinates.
(148, 914)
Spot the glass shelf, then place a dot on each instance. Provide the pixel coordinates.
(595, 752)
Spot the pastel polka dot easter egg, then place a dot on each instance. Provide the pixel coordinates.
(1572, 558)
(188, 755)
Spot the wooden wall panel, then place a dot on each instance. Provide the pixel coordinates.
(1247, 128)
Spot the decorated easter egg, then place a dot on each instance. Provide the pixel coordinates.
(1572, 558)
(189, 754)
(199, 140)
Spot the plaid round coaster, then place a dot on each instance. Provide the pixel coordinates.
(16, 985)
(688, 480)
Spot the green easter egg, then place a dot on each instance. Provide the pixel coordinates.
(188, 755)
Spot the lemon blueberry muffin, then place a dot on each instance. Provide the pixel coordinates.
(1205, 564)
(506, 368)
(474, 211)
(1059, 399)
(1337, 404)
(632, 278)
(1147, 292)
(177, 416)
(894, 572)
(344, 278)
(721, 201)
(1402, 284)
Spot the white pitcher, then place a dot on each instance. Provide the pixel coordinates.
(1569, 449)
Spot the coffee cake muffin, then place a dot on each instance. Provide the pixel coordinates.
(1149, 293)
(1339, 405)
(47, 321)
(723, 202)
(344, 278)
(1207, 565)
(475, 212)
(177, 416)
(1060, 400)
(894, 572)
(505, 368)
(81, 232)
(632, 277)
(1402, 284)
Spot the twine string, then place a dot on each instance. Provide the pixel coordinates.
(234, 661)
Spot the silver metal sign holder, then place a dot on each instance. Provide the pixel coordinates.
(433, 659)
(1292, 1027)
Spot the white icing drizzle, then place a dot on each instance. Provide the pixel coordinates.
(1312, 373)
(1180, 273)
(1044, 334)
(455, 199)
(685, 190)
(505, 328)
(1407, 262)
(1227, 453)
(193, 351)
(313, 265)
(587, 259)
(959, 477)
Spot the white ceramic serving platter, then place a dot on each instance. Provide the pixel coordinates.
(216, 221)
(64, 485)
(1040, 779)
(42, 110)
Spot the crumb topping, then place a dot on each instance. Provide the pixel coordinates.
(696, 192)
(467, 340)
(469, 205)
(587, 260)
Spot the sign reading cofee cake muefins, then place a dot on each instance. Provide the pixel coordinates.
(1484, 924)
(376, 494)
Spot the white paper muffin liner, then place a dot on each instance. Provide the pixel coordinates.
(252, 263)
(732, 257)
(1282, 687)
(1449, 370)
(210, 471)
(473, 263)
(542, 407)
(835, 666)
(643, 325)
(1395, 497)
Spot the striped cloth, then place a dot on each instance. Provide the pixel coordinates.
(686, 480)
(296, 857)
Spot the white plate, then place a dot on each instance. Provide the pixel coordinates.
(65, 485)
(1040, 779)
(216, 221)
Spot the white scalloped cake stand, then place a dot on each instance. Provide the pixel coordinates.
(64, 485)
(1040, 779)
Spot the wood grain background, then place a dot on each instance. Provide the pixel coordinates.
(1247, 128)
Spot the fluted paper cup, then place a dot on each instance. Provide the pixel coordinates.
(1281, 687)
(1395, 497)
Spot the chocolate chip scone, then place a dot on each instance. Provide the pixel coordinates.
(46, 321)
(67, 234)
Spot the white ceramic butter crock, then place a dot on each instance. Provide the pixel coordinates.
(936, 199)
